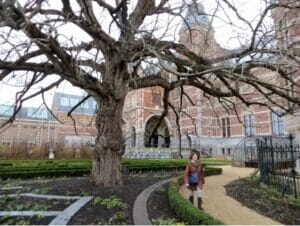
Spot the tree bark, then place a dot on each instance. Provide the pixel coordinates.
(110, 143)
(107, 168)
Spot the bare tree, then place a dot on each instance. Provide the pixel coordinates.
(120, 38)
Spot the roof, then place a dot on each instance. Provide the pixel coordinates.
(64, 102)
(195, 15)
(61, 102)
(36, 113)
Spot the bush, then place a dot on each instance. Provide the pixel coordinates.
(187, 211)
(79, 167)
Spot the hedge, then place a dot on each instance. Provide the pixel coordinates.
(185, 210)
(79, 167)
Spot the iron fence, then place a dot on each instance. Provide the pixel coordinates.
(277, 164)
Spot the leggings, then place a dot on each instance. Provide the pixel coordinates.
(199, 193)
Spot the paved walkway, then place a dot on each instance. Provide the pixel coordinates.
(225, 208)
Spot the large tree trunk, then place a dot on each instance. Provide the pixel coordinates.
(107, 168)
(110, 144)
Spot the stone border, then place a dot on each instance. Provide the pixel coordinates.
(62, 217)
(10, 188)
(65, 216)
(140, 213)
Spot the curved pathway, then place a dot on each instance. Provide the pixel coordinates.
(140, 213)
(225, 208)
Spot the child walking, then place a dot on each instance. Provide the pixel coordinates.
(194, 177)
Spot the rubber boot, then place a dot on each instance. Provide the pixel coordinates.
(200, 203)
(191, 198)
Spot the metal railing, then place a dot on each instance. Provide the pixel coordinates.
(277, 163)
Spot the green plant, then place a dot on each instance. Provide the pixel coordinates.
(118, 218)
(84, 193)
(110, 202)
(69, 193)
(161, 189)
(276, 196)
(185, 210)
(5, 198)
(67, 202)
(38, 216)
(39, 207)
(72, 167)
(5, 217)
(166, 221)
(20, 207)
(22, 222)
(41, 190)
(8, 220)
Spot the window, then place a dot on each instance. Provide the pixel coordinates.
(94, 104)
(249, 125)
(73, 102)
(156, 98)
(226, 127)
(64, 101)
(85, 105)
(6, 110)
(39, 113)
(277, 124)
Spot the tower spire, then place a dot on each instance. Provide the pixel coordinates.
(195, 15)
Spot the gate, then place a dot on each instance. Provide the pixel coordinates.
(251, 157)
(277, 165)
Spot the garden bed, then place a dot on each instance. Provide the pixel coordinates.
(257, 196)
(108, 206)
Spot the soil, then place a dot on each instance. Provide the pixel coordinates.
(252, 195)
(158, 206)
(90, 214)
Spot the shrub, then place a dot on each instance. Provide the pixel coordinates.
(184, 209)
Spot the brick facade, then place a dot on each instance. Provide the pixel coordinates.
(205, 125)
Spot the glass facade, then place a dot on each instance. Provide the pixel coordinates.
(6, 110)
(37, 113)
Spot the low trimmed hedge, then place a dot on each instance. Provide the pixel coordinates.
(185, 210)
(79, 167)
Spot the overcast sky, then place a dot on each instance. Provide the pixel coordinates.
(224, 34)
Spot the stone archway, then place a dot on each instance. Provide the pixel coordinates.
(161, 138)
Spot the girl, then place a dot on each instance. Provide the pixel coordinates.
(194, 177)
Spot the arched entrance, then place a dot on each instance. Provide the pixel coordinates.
(160, 138)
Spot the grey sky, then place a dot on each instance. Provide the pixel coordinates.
(225, 35)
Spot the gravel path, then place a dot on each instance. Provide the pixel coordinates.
(225, 208)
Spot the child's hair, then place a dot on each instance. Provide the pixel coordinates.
(195, 152)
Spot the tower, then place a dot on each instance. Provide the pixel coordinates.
(197, 33)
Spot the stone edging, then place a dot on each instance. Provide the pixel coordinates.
(140, 213)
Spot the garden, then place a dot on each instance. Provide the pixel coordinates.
(38, 191)
(42, 189)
